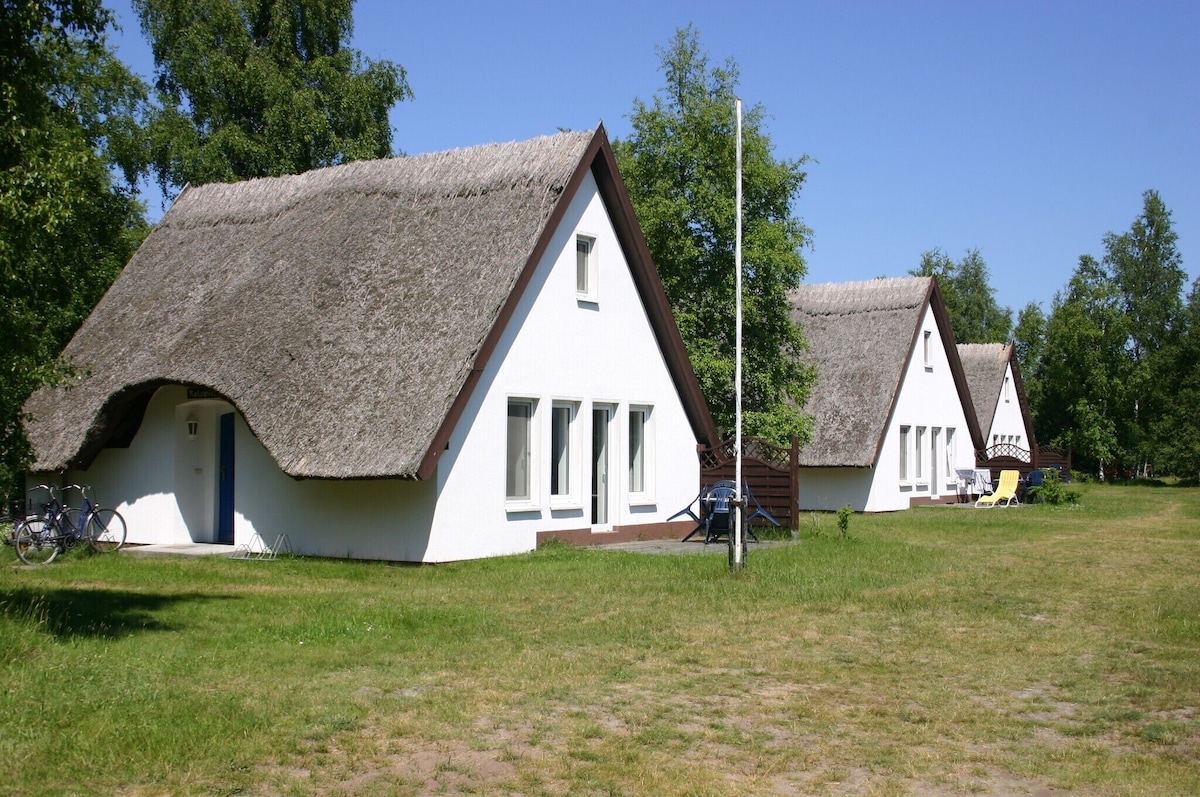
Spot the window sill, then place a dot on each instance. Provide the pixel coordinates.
(642, 500)
(521, 506)
(565, 503)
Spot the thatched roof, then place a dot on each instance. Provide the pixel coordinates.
(860, 337)
(346, 312)
(984, 365)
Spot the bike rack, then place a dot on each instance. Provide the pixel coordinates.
(258, 549)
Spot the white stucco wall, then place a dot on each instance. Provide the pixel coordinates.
(590, 354)
(557, 347)
(830, 489)
(929, 399)
(1008, 425)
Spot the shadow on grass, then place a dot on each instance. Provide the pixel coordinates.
(67, 612)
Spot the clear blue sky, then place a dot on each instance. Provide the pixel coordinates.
(1024, 129)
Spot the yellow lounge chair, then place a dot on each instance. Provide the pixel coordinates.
(1006, 491)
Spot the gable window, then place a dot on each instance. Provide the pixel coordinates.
(928, 350)
(641, 454)
(918, 457)
(905, 434)
(586, 277)
(1006, 390)
(519, 459)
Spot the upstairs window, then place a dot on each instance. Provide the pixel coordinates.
(928, 350)
(586, 277)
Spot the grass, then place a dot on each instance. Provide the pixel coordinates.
(933, 652)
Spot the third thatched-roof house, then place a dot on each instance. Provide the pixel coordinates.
(891, 408)
(999, 400)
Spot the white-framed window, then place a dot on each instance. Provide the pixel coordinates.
(587, 277)
(905, 448)
(641, 454)
(928, 350)
(1006, 399)
(520, 465)
(951, 470)
(564, 454)
(919, 455)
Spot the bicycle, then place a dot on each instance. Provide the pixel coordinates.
(104, 529)
(39, 540)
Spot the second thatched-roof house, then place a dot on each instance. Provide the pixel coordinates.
(892, 412)
(427, 358)
(1000, 405)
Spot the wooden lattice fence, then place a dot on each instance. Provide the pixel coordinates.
(770, 472)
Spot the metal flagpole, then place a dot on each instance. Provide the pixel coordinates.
(736, 560)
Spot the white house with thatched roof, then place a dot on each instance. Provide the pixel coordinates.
(891, 409)
(427, 358)
(998, 394)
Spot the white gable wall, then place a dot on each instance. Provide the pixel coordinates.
(558, 348)
(928, 400)
(1008, 424)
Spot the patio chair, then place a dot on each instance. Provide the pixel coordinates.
(718, 512)
(1006, 491)
(748, 501)
(687, 510)
(1031, 486)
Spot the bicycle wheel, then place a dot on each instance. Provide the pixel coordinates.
(36, 542)
(106, 530)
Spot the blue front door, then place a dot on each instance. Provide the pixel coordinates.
(225, 482)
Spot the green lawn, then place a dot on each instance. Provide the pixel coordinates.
(939, 651)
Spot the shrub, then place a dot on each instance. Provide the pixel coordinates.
(1054, 492)
(843, 515)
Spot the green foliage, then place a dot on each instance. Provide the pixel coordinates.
(1053, 491)
(679, 164)
(67, 226)
(970, 300)
(1083, 369)
(254, 88)
(1177, 431)
(1117, 363)
(843, 519)
(1029, 337)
